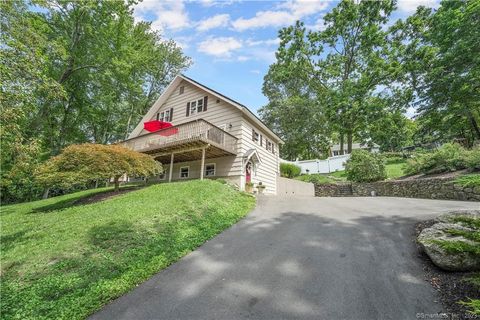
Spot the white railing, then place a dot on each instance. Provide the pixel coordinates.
(197, 130)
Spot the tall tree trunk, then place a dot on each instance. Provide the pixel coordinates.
(474, 124)
(342, 143)
(349, 142)
(45, 193)
(116, 181)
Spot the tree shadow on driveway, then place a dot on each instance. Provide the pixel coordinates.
(292, 265)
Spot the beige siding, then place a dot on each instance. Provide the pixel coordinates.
(268, 170)
(220, 114)
(223, 168)
(231, 119)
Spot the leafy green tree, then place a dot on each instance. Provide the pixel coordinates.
(76, 71)
(294, 110)
(335, 72)
(439, 54)
(80, 164)
(392, 131)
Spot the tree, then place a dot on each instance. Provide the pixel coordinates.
(356, 62)
(75, 72)
(80, 164)
(294, 110)
(439, 54)
(336, 70)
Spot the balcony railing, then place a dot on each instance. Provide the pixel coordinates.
(183, 135)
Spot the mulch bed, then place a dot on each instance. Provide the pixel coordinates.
(104, 196)
(452, 286)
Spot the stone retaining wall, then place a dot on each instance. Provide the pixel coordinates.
(326, 190)
(432, 188)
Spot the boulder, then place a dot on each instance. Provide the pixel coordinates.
(448, 217)
(448, 260)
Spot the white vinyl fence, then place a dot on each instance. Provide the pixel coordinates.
(328, 165)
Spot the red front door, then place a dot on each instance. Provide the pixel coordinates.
(248, 172)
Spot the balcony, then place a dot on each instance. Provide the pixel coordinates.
(187, 141)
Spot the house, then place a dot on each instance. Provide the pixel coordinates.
(374, 148)
(211, 136)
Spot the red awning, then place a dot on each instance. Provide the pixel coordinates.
(156, 125)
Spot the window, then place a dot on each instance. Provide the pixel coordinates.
(181, 90)
(210, 170)
(261, 140)
(255, 135)
(193, 107)
(184, 172)
(162, 175)
(162, 116)
(268, 145)
(167, 116)
(197, 106)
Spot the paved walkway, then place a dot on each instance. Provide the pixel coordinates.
(299, 258)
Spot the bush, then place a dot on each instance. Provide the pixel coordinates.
(289, 170)
(364, 166)
(449, 157)
(315, 178)
(473, 159)
(470, 181)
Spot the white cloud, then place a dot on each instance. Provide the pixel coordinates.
(211, 3)
(219, 20)
(255, 71)
(168, 14)
(319, 25)
(243, 58)
(410, 6)
(285, 13)
(221, 47)
(267, 42)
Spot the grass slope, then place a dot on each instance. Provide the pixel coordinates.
(65, 261)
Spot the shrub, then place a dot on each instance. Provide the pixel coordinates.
(79, 164)
(289, 170)
(473, 159)
(364, 166)
(315, 178)
(470, 181)
(449, 157)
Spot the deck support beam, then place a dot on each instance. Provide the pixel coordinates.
(202, 166)
(170, 172)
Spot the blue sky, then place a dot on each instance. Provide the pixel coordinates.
(232, 43)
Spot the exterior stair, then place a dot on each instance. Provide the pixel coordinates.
(344, 190)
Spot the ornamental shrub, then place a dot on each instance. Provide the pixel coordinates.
(449, 157)
(289, 170)
(364, 166)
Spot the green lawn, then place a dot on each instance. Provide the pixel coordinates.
(394, 169)
(65, 261)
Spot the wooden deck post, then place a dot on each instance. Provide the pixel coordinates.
(202, 166)
(170, 172)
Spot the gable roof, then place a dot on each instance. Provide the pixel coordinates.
(166, 93)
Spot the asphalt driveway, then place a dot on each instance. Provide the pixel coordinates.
(299, 258)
